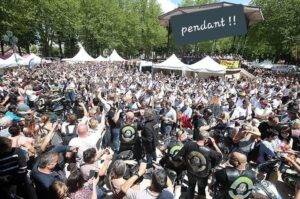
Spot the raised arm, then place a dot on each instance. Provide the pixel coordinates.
(132, 180)
(102, 122)
(86, 114)
(48, 137)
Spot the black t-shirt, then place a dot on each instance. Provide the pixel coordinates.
(199, 159)
(110, 116)
(234, 183)
(149, 136)
(198, 122)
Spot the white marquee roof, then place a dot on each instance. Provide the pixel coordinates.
(81, 56)
(115, 57)
(14, 60)
(172, 63)
(207, 65)
(100, 58)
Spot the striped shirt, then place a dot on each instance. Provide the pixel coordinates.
(13, 163)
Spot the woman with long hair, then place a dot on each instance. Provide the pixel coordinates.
(284, 141)
(58, 190)
(30, 128)
(45, 124)
(78, 188)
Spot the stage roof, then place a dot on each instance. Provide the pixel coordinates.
(253, 13)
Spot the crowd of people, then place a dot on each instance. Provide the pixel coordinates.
(89, 130)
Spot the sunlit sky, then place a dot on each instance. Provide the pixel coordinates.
(168, 5)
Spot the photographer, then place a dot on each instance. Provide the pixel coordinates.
(114, 118)
(200, 159)
(157, 189)
(170, 152)
(91, 162)
(201, 122)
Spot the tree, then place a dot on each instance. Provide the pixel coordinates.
(274, 36)
(197, 2)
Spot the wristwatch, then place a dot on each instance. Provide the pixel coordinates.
(137, 174)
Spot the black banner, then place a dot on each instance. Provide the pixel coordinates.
(210, 24)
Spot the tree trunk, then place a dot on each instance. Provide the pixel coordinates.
(50, 49)
(27, 48)
(2, 48)
(60, 48)
(19, 49)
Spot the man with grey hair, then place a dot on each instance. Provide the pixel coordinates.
(200, 157)
(43, 173)
(157, 189)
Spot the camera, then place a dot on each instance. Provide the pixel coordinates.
(137, 114)
(93, 173)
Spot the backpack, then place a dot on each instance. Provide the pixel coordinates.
(68, 136)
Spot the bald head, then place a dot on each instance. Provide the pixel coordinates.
(238, 159)
(20, 99)
(129, 115)
(82, 129)
(242, 158)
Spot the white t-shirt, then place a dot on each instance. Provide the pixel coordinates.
(260, 111)
(85, 143)
(31, 95)
(241, 112)
(70, 128)
(146, 194)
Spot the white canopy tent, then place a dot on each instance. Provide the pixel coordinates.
(208, 66)
(33, 59)
(14, 60)
(115, 57)
(172, 63)
(144, 63)
(100, 58)
(81, 56)
(267, 64)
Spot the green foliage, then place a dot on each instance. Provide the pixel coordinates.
(196, 2)
(33, 49)
(275, 36)
(130, 26)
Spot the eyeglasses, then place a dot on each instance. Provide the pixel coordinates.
(285, 132)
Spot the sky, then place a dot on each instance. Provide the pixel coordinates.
(168, 5)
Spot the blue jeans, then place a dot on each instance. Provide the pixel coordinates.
(72, 96)
(106, 139)
(98, 190)
(150, 158)
(115, 133)
(167, 131)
